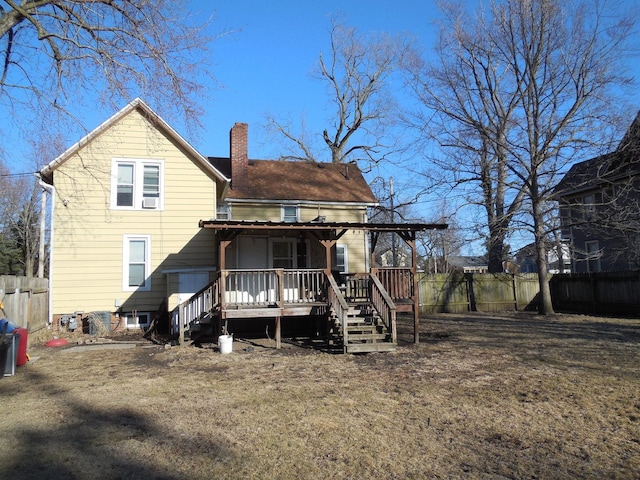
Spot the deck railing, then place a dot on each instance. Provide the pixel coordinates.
(304, 286)
(398, 282)
(251, 288)
(357, 287)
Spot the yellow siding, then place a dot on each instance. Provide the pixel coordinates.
(356, 241)
(88, 236)
(273, 212)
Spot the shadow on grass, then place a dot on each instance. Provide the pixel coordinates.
(90, 442)
(526, 327)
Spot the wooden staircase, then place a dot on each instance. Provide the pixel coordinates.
(364, 331)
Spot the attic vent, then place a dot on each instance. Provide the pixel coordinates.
(150, 202)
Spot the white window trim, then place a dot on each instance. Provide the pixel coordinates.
(346, 257)
(126, 239)
(138, 168)
(282, 209)
(137, 323)
(223, 211)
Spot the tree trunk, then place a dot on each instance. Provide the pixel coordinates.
(545, 307)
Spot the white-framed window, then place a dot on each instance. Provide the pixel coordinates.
(136, 263)
(289, 213)
(137, 319)
(593, 253)
(137, 184)
(223, 211)
(342, 258)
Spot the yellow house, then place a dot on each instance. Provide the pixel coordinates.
(127, 201)
(142, 224)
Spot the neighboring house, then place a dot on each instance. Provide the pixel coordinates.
(467, 264)
(143, 224)
(600, 208)
(525, 260)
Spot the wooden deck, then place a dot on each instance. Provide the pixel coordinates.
(276, 293)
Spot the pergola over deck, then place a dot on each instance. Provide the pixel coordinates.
(327, 234)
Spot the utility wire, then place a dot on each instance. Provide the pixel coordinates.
(16, 174)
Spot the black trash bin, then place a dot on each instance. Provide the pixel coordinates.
(9, 354)
(4, 353)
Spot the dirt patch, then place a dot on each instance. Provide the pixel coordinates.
(482, 396)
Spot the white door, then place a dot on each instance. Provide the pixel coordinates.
(190, 283)
(252, 287)
(253, 252)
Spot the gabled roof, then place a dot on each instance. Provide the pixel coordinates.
(467, 261)
(624, 161)
(306, 181)
(158, 123)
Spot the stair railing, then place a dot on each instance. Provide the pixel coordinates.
(339, 304)
(385, 307)
(201, 302)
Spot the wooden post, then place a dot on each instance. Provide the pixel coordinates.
(328, 244)
(415, 296)
(222, 254)
(181, 315)
(278, 333)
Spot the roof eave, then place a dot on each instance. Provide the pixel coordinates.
(137, 103)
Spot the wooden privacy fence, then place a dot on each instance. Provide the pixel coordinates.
(25, 301)
(482, 292)
(608, 293)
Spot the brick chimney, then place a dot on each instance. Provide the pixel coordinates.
(239, 154)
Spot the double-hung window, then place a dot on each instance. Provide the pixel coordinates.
(289, 213)
(136, 184)
(136, 261)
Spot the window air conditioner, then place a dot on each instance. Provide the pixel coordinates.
(150, 202)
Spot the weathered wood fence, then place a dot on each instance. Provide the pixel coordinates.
(486, 292)
(602, 293)
(25, 301)
(615, 293)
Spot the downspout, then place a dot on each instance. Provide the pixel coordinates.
(51, 190)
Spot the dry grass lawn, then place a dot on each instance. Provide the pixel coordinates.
(483, 396)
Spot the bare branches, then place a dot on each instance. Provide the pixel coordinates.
(516, 95)
(55, 52)
(357, 73)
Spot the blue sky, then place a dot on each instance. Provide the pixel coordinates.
(263, 66)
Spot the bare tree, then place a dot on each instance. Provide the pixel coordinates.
(19, 216)
(58, 54)
(538, 76)
(357, 73)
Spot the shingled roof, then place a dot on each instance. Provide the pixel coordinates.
(309, 181)
(624, 161)
(281, 180)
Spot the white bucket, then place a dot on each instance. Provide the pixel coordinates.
(225, 343)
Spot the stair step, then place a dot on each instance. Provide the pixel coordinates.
(370, 347)
(367, 336)
(362, 328)
(361, 321)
